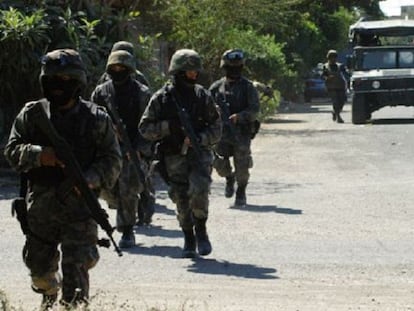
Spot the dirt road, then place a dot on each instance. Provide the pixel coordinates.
(329, 226)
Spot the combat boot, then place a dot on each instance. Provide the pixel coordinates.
(203, 243)
(240, 196)
(339, 119)
(229, 191)
(128, 238)
(189, 250)
(47, 302)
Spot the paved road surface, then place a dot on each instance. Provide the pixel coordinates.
(329, 226)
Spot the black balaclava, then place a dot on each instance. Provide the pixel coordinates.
(119, 77)
(181, 81)
(233, 72)
(59, 92)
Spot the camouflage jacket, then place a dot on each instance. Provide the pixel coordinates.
(236, 97)
(334, 75)
(239, 96)
(161, 113)
(87, 129)
(130, 101)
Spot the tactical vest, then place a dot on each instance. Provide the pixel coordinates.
(77, 127)
(128, 100)
(236, 101)
(194, 105)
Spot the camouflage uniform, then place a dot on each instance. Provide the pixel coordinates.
(136, 75)
(334, 74)
(56, 214)
(130, 98)
(237, 96)
(189, 176)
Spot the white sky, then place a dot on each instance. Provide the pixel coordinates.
(393, 7)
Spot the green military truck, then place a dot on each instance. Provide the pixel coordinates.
(382, 66)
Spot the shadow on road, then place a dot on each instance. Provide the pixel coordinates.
(156, 250)
(213, 266)
(392, 121)
(162, 209)
(158, 231)
(268, 209)
(282, 121)
(302, 133)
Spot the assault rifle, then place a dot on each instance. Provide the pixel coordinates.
(131, 152)
(74, 173)
(188, 129)
(227, 123)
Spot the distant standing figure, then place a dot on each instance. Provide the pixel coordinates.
(334, 74)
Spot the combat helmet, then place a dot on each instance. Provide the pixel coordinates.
(184, 60)
(331, 53)
(123, 46)
(233, 57)
(63, 61)
(121, 57)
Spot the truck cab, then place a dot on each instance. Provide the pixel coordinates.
(381, 74)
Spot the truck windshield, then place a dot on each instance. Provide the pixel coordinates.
(387, 60)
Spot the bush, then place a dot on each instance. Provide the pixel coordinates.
(29, 32)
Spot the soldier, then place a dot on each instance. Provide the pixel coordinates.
(335, 74)
(56, 213)
(128, 98)
(184, 119)
(239, 102)
(147, 201)
(129, 47)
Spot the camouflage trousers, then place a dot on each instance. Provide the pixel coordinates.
(239, 149)
(146, 203)
(189, 181)
(124, 196)
(60, 222)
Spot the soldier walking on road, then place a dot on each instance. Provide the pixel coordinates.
(127, 98)
(183, 118)
(334, 74)
(239, 103)
(57, 214)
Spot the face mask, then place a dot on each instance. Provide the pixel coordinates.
(181, 80)
(233, 72)
(59, 91)
(119, 77)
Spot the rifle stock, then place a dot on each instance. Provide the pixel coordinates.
(74, 172)
(126, 142)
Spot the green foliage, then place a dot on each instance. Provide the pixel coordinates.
(23, 39)
(30, 30)
(148, 63)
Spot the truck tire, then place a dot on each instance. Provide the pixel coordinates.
(359, 109)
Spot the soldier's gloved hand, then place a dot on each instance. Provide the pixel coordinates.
(48, 158)
(234, 118)
(175, 127)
